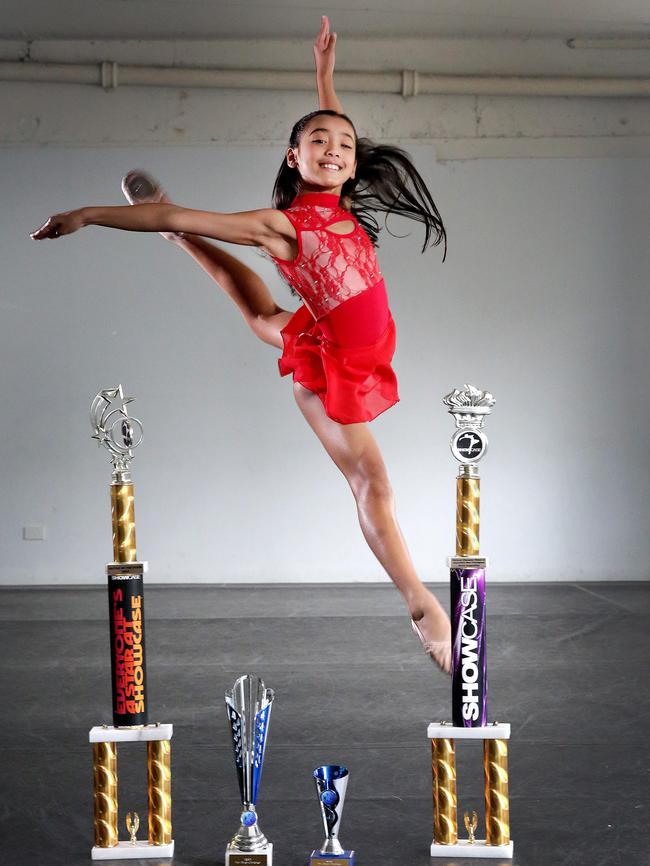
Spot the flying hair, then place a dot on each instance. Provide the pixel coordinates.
(386, 182)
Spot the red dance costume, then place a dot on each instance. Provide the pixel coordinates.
(341, 341)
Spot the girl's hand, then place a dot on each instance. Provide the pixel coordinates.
(324, 49)
(58, 225)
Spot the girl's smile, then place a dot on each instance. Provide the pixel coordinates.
(325, 154)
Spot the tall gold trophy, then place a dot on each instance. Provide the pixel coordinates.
(469, 407)
(120, 434)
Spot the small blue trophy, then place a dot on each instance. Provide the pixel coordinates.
(331, 782)
(248, 704)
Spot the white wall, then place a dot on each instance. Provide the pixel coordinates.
(543, 300)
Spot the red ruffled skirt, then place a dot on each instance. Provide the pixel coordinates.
(354, 383)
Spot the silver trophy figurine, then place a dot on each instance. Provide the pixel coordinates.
(113, 427)
(470, 407)
(248, 705)
(331, 783)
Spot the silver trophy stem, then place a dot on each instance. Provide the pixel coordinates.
(249, 839)
(331, 845)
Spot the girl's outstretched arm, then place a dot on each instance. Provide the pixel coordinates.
(324, 56)
(268, 229)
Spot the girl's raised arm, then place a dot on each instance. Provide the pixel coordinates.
(324, 56)
(266, 228)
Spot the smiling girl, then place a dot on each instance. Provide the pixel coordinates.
(339, 344)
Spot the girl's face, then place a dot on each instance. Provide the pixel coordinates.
(325, 156)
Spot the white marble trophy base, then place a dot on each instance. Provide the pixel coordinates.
(465, 849)
(264, 857)
(138, 734)
(491, 731)
(128, 851)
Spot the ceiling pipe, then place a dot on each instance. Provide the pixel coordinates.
(408, 82)
(623, 43)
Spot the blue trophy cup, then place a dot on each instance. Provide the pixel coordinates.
(331, 782)
(248, 705)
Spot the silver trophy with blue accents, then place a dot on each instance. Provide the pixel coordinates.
(248, 705)
(331, 783)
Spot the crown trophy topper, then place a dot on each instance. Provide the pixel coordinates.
(331, 783)
(115, 429)
(248, 705)
(469, 406)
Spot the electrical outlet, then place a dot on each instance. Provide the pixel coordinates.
(33, 533)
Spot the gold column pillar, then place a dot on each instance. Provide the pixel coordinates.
(105, 794)
(497, 807)
(468, 515)
(443, 767)
(123, 519)
(159, 778)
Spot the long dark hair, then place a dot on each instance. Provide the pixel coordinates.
(386, 182)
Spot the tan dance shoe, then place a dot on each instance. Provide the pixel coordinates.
(139, 187)
(439, 651)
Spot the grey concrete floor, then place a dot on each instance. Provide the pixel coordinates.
(567, 668)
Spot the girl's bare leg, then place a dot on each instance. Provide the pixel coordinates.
(352, 447)
(247, 290)
(354, 450)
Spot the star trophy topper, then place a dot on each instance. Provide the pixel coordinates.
(114, 429)
(120, 434)
(469, 407)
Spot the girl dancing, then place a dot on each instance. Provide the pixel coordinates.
(338, 346)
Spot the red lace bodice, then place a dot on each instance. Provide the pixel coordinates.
(330, 268)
